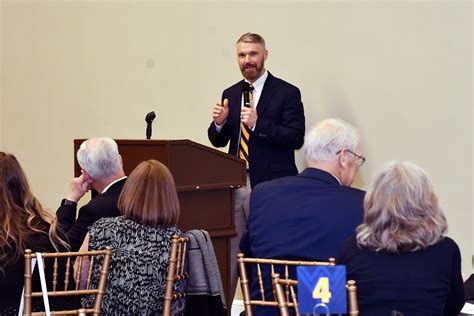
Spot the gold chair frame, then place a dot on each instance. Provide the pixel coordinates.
(176, 271)
(283, 296)
(56, 292)
(245, 286)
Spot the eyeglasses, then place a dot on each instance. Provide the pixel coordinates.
(362, 158)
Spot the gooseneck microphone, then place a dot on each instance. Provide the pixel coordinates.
(149, 119)
(246, 91)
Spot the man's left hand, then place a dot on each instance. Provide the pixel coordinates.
(249, 116)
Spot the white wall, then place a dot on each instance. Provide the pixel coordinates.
(399, 70)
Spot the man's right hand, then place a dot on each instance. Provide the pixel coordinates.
(79, 186)
(220, 112)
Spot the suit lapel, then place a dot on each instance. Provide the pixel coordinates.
(267, 93)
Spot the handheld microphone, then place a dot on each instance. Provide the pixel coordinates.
(246, 91)
(149, 119)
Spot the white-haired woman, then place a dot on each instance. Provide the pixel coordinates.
(399, 257)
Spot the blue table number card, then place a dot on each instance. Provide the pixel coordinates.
(322, 289)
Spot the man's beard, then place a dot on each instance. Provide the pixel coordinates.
(252, 71)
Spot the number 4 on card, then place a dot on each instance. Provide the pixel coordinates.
(322, 286)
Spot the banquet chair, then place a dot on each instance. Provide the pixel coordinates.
(273, 265)
(176, 272)
(286, 296)
(66, 279)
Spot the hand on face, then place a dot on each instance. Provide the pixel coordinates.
(249, 116)
(79, 186)
(220, 112)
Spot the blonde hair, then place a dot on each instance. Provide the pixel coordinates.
(21, 214)
(149, 195)
(401, 211)
(251, 38)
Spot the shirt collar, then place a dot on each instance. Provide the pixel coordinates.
(336, 178)
(112, 183)
(258, 84)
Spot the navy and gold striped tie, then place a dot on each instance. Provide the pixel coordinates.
(245, 134)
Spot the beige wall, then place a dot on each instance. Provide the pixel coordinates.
(399, 70)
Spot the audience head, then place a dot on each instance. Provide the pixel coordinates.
(21, 214)
(149, 196)
(100, 160)
(401, 211)
(333, 145)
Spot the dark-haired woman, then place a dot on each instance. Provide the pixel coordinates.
(24, 224)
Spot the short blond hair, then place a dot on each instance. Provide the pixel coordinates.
(251, 38)
(401, 211)
(149, 195)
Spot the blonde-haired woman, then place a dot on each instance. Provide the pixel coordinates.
(400, 256)
(140, 241)
(24, 224)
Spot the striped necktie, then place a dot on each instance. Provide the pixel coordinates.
(245, 134)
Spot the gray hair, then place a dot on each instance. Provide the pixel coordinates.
(401, 211)
(327, 138)
(99, 157)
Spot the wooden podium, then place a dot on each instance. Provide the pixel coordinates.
(205, 179)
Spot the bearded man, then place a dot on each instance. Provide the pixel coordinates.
(263, 119)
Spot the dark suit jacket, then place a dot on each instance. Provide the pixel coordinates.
(279, 130)
(12, 277)
(103, 205)
(303, 217)
(416, 283)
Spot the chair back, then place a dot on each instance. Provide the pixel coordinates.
(275, 265)
(66, 279)
(176, 272)
(284, 287)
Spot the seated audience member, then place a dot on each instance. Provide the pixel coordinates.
(308, 216)
(24, 224)
(399, 257)
(102, 170)
(140, 241)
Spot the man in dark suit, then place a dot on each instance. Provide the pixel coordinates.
(102, 170)
(265, 132)
(308, 216)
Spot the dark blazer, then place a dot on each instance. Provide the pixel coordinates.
(12, 278)
(415, 283)
(103, 205)
(279, 130)
(303, 217)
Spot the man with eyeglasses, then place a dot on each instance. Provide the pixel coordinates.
(308, 216)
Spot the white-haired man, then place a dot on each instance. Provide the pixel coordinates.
(308, 216)
(102, 170)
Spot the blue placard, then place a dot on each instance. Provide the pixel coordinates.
(322, 289)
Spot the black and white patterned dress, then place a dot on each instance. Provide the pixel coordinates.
(137, 274)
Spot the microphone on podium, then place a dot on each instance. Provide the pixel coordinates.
(246, 90)
(149, 119)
